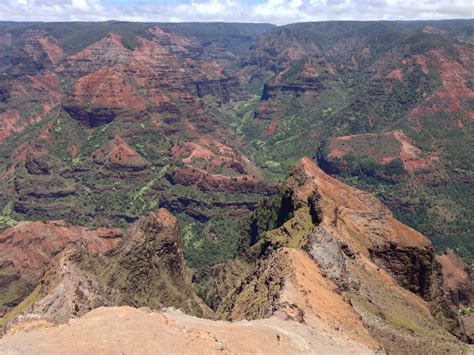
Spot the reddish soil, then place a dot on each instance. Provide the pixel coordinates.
(395, 74)
(373, 144)
(11, 123)
(265, 109)
(190, 176)
(271, 129)
(37, 44)
(455, 84)
(73, 150)
(107, 87)
(347, 198)
(44, 86)
(209, 155)
(29, 246)
(172, 38)
(457, 279)
(126, 330)
(42, 89)
(54, 52)
(423, 62)
(117, 153)
(320, 300)
(108, 49)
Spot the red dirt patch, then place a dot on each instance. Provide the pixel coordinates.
(455, 85)
(457, 279)
(271, 129)
(109, 47)
(11, 123)
(395, 74)
(211, 156)
(29, 246)
(190, 176)
(433, 30)
(73, 150)
(384, 147)
(54, 52)
(118, 154)
(107, 87)
(265, 109)
(423, 62)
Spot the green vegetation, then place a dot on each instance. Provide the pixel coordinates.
(23, 306)
(213, 242)
(466, 311)
(6, 220)
(366, 166)
(344, 87)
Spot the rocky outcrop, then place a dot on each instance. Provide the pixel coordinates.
(65, 291)
(396, 145)
(149, 270)
(189, 176)
(117, 154)
(222, 89)
(126, 329)
(28, 247)
(310, 86)
(256, 294)
(146, 269)
(205, 210)
(327, 257)
(29, 88)
(457, 279)
(99, 97)
(369, 257)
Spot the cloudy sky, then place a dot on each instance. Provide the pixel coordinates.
(273, 11)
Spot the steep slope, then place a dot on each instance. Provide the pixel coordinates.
(146, 269)
(387, 106)
(457, 279)
(333, 271)
(28, 247)
(335, 255)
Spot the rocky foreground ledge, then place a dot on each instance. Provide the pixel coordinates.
(129, 330)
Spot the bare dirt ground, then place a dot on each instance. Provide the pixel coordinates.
(126, 330)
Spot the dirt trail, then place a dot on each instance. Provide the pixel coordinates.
(127, 330)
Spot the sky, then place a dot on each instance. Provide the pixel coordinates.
(270, 11)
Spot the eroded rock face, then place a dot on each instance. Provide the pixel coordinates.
(457, 279)
(149, 270)
(98, 97)
(114, 81)
(29, 88)
(327, 252)
(65, 291)
(28, 248)
(190, 176)
(368, 255)
(222, 89)
(146, 270)
(117, 154)
(332, 261)
(257, 294)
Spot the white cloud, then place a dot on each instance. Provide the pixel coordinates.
(274, 11)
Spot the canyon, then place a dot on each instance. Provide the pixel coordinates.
(196, 183)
